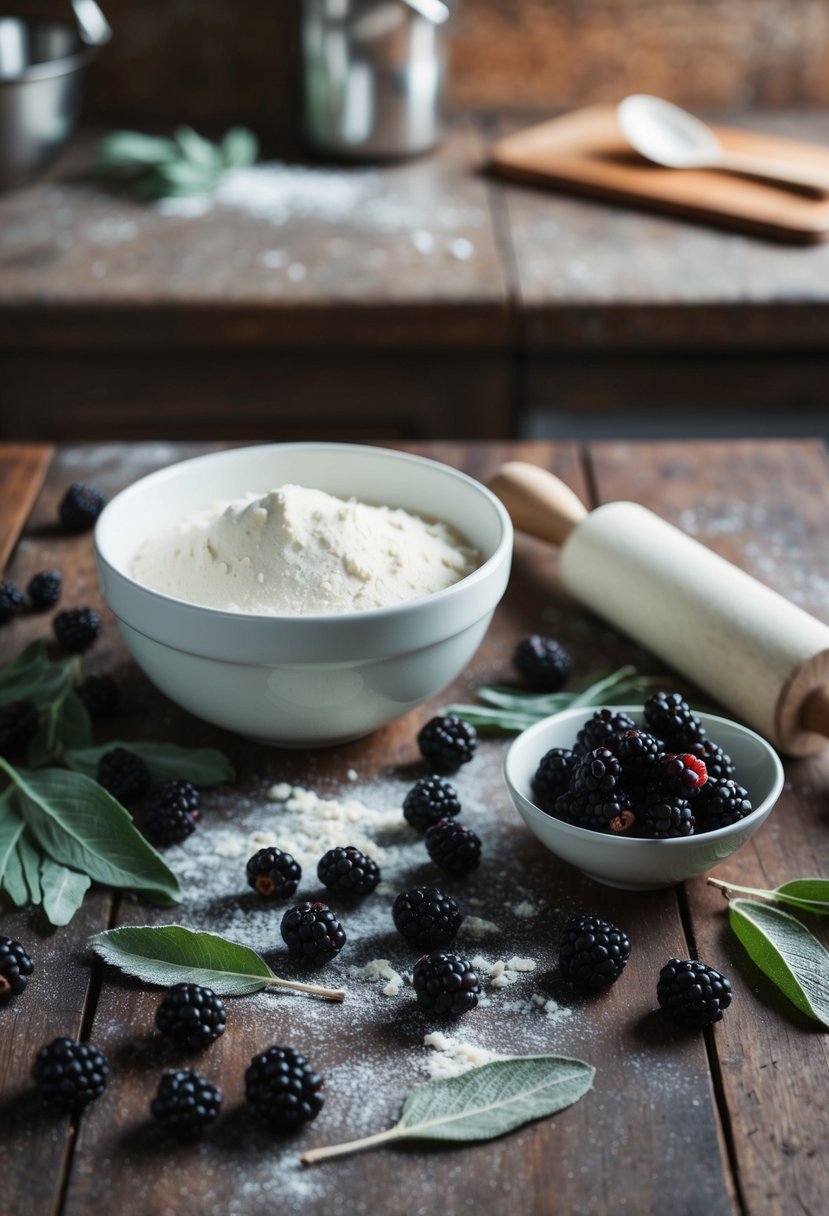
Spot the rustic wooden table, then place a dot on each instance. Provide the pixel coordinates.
(731, 1121)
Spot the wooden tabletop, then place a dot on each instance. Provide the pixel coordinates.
(731, 1121)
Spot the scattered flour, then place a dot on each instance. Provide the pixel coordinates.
(476, 926)
(380, 969)
(453, 1057)
(502, 974)
(524, 910)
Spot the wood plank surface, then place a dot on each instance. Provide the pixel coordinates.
(22, 469)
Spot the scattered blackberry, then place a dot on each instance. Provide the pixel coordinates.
(665, 818)
(77, 628)
(592, 952)
(273, 873)
(15, 968)
(80, 506)
(682, 774)
(431, 799)
(722, 803)
(312, 933)
(186, 1104)
(718, 765)
(12, 602)
(171, 813)
(692, 993)
(348, 871)
(445, 983)
(603, 730)
(638, 752)
(543, 663)
(670, 718)
(18, 724)
(452, 846)
(552, 777)
(192, 1016)
(282, 1089)
(123, 774)
(44, 589)
(447, 742)
(426, 917)
(100, 695)
(70, 1075)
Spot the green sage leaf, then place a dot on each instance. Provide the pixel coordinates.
(14, 883)
(65, 724)
(63, 891)
(132, 149)
(201, 765)
(787, 952)
(170, 954)
(33, 676)
(11, 826)
(808, 894)
(30, 858)
(239, 148)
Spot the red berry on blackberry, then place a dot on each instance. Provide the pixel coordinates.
(70, 1075)
(12, 602)
(192, 1016)
(273, 873)
(665, 818)
(171, 813)
(543, 662)
(718, 765)
(431, 799)
(77, 628)
(453, 846)
(592, 952)
(670, 718)
(426, 917)
(185, 1104)
(15, 968)
(282, 1089)
(447, 742)
(44, 589)
(607, 813)
(312, 933)
(721, 803)
(692, 993)
(445, 983)
(123, 774)
(682, 774)
(80, 506)
(100, 695)
(552, 777)
(348, 871)
(18, 725)
(603, 730)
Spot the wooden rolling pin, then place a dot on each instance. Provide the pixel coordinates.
(750, 648)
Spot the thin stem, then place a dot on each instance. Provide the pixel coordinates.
(327, 994)
(731, 886)
(351, 1146)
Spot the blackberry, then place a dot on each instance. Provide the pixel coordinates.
(312, 933)
(12, 602)
(543, 663)
(445, 983)
(682, 774)
(70, 1075)
(452, 846)
(15, 968)
(77, 628)
(186, 1104)
(447, 742)
(592, 952)
(597, 775)
(552, 777)
(431, 799)
(192, 1016)
(44, 589)
(603, 730)
(670, 718)
(282, 1089)
(100, 695)
(18, 724)
(692, 993)
(722, 803)
(607, 814)
(718, 765)
(123, 775)
(426, 917)
(637, 752)
(80, 506)
(348, 871)
(171, 813)
(273, 873)
(570, 807)
(666, 818)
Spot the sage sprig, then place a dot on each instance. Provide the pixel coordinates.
(806, 894)
(787, 952)
(156, 167)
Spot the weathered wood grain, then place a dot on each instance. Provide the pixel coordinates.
(22, 469)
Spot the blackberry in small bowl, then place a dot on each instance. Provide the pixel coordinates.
(553, 776)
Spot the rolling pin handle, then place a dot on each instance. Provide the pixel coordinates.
(538, 502)
(814, 713)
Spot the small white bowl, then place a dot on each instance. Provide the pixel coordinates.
(640, 865)
(302, 681)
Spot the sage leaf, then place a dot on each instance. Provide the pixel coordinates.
(200, 765)
(806, 894)
(787, 952)
(33, 676)
(240, 147)
(11, 826)
(196, 149)
(170, 954)
(30, 859)
(132, 149)
(63, 891)
(14, 884)
(65, 724)
(481, 1103)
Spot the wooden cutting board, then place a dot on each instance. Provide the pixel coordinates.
(585, 152)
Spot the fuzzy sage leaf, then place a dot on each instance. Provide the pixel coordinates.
(787, 952)
(201, 765)
(33, 676)
(805, 894)
(63, 891)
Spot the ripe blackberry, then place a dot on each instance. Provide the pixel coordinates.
(77, 628)
(348, 871)
(454, 847)
(431, 799)
(171, 813)
(15, 968)
(273, 873)
(570, 807)
(18, 724)
(592, 952)
(80, 506)
(665, 818)
(123, 774)
(670, 718)
(70, 1075)
(682, 774)
(597, 774)
(718, 765)
(603, 730)
(192, 1016)
(282, 1089)
(445, 983)
(692, 993)
(12, 602)
(602, 813)
(312, 933)
(543, 663)
(100, 695)
(447, 742)
(426, 917)
(552, 777)
(186, 1104)
(722, 803)
(638, 752)
(44, 589)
